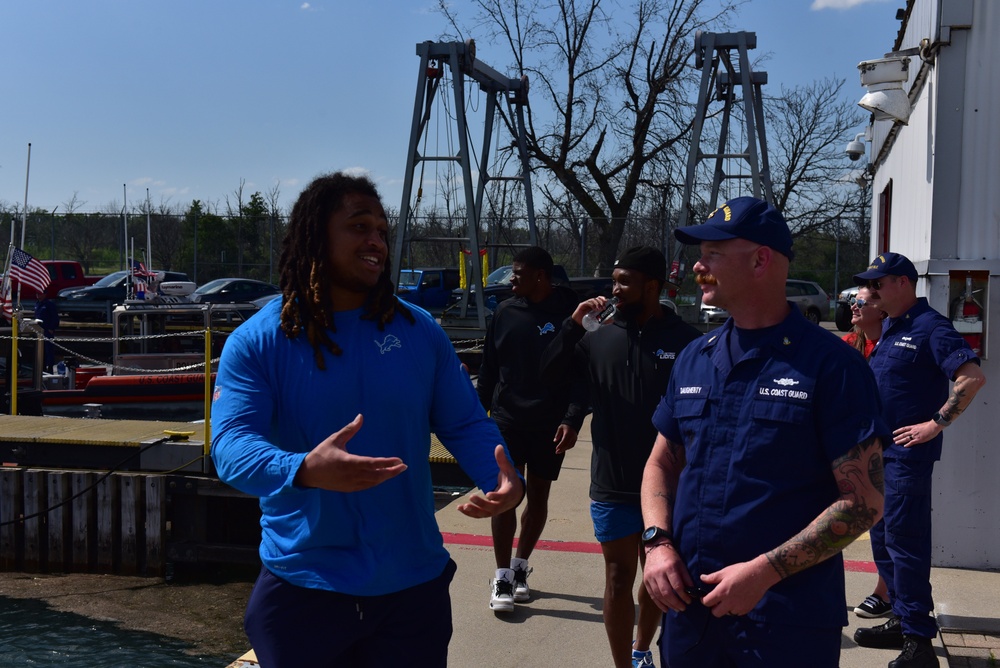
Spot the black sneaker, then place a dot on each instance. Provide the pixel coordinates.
(883, 636)
(917, 653)
(873, 607)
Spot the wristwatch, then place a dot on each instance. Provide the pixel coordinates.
(941, 420)
(655, 533)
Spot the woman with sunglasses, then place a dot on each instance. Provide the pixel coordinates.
(867, 321)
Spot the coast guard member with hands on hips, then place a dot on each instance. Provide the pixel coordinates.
(767, 464)
(916, 357)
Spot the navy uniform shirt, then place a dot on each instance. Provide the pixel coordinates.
(760, 437)
(914, 360)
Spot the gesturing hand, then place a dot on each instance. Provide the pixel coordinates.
(330, 466)
(508, 493)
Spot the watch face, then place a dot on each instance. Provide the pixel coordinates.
(648, 534)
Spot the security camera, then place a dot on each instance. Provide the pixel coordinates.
(855, 149)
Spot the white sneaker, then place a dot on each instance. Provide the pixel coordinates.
(502, 588)
(521, 572)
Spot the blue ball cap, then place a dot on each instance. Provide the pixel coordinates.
(887, 264)
(742, 218)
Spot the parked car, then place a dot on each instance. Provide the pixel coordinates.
(63, 275)
(811, 299)
(498, 287)
(112, 287)
(429, 287)
(842, 311)
(261, 302)
(808, 296)
(712, 314)
(587, 287)
(98, 300)
(230, 290)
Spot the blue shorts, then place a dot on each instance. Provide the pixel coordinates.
(615, 520)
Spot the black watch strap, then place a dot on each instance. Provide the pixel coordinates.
(654, 534)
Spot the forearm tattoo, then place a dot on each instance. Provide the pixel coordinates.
(958, 399)
(859, 476)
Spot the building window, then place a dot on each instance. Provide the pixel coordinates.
(884, 218)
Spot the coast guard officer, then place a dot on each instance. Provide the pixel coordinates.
(767, 464)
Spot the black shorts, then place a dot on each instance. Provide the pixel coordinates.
(534, 449)
(293, 626)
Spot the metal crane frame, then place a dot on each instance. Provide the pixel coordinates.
(460, 57)
(719, 75)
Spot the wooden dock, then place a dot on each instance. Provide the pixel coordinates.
(128, 497)
(116, 496)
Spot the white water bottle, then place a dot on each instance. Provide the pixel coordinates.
(593, 320)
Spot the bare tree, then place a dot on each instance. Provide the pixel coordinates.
(807, 127)
(614, 94)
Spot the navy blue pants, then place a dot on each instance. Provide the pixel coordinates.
(292, 627)
(696, 639)
(901, 544)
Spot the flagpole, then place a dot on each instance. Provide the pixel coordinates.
(24, 214)
(125, 222)
(149, 208)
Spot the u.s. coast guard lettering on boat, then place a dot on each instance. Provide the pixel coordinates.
(390, 342)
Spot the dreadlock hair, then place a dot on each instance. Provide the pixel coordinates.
(304, 268)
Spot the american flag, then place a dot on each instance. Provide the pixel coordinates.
(29, 271)
(139, 269)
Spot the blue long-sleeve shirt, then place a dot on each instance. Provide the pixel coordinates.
(273, 405)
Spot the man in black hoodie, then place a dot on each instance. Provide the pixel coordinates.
(628, 363)
(538, 422)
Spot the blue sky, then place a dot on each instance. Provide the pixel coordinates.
(189, 97)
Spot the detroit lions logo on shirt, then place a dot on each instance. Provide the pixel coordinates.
(390, 342)
(665, 354)
(547, 328)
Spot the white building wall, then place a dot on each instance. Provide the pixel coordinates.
(979, 202)
(945, 170)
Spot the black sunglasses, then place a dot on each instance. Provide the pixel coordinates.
(858, 301)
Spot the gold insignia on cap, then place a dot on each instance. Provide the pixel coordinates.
(786, 342)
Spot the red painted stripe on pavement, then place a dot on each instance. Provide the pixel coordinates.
(595, 548)
(860, 566)
(551, 545)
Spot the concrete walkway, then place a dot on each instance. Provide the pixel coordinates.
(562, 626)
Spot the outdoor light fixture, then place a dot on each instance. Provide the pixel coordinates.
(884, 80)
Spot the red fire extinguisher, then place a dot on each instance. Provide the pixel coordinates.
(967, 317)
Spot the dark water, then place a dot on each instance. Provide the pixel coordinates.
(32, 634)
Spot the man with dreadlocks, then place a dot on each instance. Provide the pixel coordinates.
(355, 572)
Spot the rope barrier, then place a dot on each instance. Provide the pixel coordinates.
(58, 342)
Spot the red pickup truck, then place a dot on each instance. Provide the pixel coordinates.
(62, 274)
